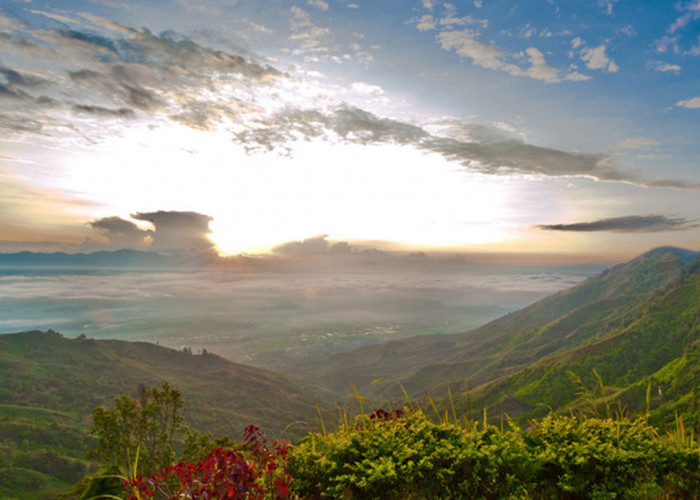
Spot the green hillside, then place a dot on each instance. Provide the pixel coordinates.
(50, 384)
(628, 323)
(654, 345)
(556, 324)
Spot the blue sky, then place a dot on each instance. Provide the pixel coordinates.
(486, 126)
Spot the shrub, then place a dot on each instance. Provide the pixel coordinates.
(256, 473)
(413, 457)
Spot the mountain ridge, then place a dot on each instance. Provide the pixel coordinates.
(558, 325)
(93, 372)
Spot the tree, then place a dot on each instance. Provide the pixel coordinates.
(138, 435)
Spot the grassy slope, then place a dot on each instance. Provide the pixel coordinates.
(660, 345)
(50, 384)
(49, 371)
(608, 302)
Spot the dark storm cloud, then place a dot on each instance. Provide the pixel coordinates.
(90, 38)
(13, 84)
(97, 110)
(628, 224)
(6, 92)
(121, 233)
(171, 232)
(178, 230)
(15, 78)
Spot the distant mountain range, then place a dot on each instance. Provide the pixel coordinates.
(634, 324)
(117, 258)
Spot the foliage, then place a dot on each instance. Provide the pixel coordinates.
(138, 435)
(561, 457)
(198, 445)
(105, 483)
(259, 472)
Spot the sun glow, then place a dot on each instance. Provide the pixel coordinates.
(347, 191)
(352, 192)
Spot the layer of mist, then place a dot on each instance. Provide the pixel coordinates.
(257, 317)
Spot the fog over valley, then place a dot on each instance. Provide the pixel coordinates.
(254, 317)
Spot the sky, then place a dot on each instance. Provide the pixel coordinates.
(255, 126)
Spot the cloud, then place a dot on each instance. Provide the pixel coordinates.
(171, 232)
(478, 148)
(15, 85)
(425, 23)
(178, 231)
(451, 18)
(674, 39)
(315, 246)
(200, 115)
(121, 233)
(663, 67)
(691, 13)
(89, 38)
(465, 44)
(693, 103)
(539, 70)
(628, 224)
(607, 6)
(666, 42)
(516, 157)
(111, 70)
(628, 30)
(122, 83)
(55, 17)
(345, 122)
(595, 58)
(318, 4)
(575, 76)
(97, 110)
(19, 125)
(305, 31)
(367, 88)
(11, 77)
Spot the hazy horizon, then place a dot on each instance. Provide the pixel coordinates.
(243, 316)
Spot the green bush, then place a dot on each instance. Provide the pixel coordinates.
(413, 457)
